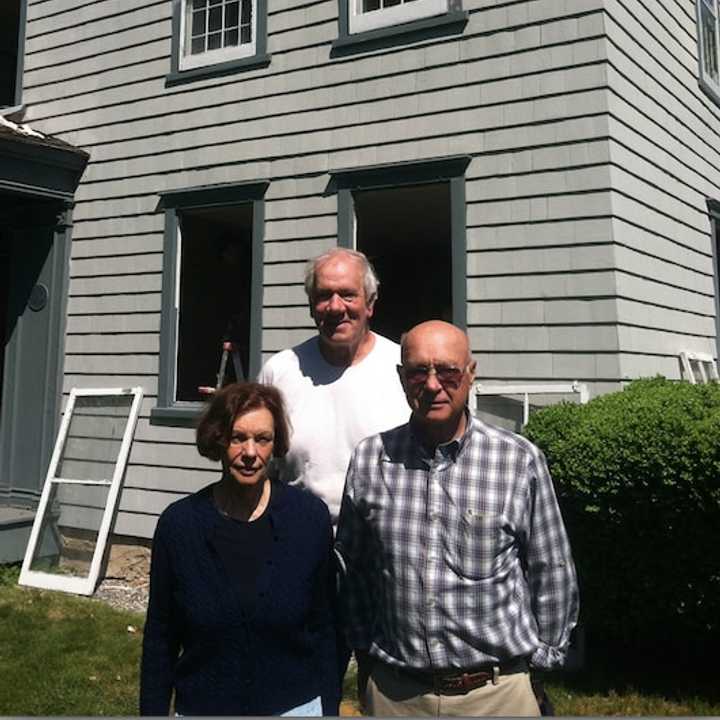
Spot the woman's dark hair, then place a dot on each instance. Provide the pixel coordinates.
(215, 425)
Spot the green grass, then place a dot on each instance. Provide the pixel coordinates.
(65, 655)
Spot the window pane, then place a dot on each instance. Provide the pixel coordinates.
(245, 34)
(69, 530)
(709, 42)
(231, 15)
(370, 5)
(214, 41)
(198, 23)
(198, 45)
(246, 11)
(404, 231)
(390, 3)
(215, 19)
(199, 4)
(215, 291)
(94, 437)
(231, 38)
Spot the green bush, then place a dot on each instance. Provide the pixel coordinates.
(637, 474)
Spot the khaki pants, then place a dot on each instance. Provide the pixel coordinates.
(391, 692)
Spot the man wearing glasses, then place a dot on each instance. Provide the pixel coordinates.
(459, 572)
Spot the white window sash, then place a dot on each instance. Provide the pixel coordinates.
(82, 585)
(359, 21)
(186, 61)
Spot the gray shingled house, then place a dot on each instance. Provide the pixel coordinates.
(543, 172)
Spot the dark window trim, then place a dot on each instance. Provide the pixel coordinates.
(451, 23)
(450, 169)
(259, 59)
(714, 212)
(168, 410)
(21, 53)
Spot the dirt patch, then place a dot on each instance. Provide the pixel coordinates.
(126, 581)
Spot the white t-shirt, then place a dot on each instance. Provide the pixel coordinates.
(332, 409)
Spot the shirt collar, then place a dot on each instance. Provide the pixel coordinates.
(450, 450)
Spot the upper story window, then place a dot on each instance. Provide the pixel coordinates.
(212, 37)
(364, 15)
(708, 45)
(217, 30)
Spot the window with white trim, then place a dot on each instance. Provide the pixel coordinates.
(214, 31)
(708, 13)
(365, 15)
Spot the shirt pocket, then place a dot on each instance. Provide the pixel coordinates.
(478, 543)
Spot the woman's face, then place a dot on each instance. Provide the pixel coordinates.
(251, 446)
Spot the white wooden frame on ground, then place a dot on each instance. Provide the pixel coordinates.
(81, 585)
(705, 364)
(528, 389)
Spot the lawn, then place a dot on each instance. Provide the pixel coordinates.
(66, 655)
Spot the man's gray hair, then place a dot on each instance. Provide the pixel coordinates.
(370, 279)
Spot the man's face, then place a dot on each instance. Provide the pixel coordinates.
(339, 306)
(437, 373)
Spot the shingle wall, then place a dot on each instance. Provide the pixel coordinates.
(523, 90)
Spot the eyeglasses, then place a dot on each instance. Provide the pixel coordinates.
(447, 375)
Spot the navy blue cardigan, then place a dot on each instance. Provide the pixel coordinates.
(219, 658)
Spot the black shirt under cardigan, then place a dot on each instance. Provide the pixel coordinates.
(225, 657)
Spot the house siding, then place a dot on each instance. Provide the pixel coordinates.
(576, 270)
(664, 164)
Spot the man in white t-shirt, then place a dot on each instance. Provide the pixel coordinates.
(340, 386)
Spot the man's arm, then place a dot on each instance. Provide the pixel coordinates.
(550, 570)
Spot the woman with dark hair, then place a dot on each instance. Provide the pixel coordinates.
(241, 613)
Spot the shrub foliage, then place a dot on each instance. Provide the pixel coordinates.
(638, 478)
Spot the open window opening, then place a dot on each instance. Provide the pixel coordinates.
(214, 277)
(406, 233)
(10, 51)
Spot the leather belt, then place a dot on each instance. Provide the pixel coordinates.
(462, 682)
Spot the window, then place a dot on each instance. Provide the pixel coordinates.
(366, 15)
(12, 42)
(376, 24)
(708, 45)
(212, 292)
(410, 221)
(216, 36)
(714, 211)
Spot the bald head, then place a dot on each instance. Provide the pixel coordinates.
(437, 371)
(446, 338)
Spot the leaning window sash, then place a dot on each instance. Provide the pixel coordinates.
(709, 40)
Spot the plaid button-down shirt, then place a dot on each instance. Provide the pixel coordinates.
(455, 560)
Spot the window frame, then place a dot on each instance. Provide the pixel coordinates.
(707, 84)
(714, 213)
(425, 20)
(17, 106)
(436, 170)
(168, 410)
(216, 62)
